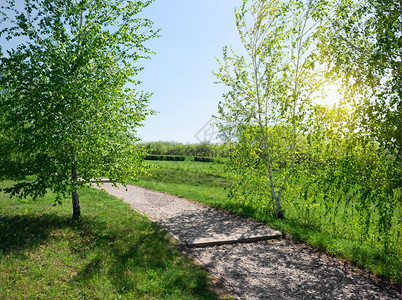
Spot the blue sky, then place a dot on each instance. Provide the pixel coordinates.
(193, 34)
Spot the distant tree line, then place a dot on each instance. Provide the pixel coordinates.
(187, 150)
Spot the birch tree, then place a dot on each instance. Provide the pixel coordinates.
(271, 88)
(69, 105)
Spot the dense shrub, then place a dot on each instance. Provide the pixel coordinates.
(188, 150)
(203, 159)
(165, 157)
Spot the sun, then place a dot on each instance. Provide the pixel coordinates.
(330, 96)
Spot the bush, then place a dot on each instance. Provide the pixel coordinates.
(203, 159)
(165, 157)
(179, 149)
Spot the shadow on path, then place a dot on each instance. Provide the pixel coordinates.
(210, 223)
(281, 269)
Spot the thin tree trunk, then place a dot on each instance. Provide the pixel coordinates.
(74, 194)
(277, 205)
(76, 205)
(279, 212)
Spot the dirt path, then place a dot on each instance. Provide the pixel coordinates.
(273, 269)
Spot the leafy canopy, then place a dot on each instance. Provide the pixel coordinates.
(271, 92)
(360, 44)
(69, 104)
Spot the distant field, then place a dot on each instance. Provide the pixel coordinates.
(112, 253)
(200, 181)
(208, 183)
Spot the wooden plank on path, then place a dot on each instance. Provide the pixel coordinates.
(211, 241)
(232, 239)
(256, 237)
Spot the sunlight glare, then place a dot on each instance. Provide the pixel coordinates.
(331, 95)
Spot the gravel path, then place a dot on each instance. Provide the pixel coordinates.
(273, 269)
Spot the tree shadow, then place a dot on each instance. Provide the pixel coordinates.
(133, 261)
(138, 262)
(211, 222)
(22, 232)
(281, 269)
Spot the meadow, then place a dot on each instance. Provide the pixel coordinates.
(114, 252)
(111, 253)
(304, 221)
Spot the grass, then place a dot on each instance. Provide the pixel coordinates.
(205, 182)
(111, 253)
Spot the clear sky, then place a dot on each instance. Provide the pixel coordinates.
(193, 34)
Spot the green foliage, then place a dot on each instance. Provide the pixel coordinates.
(181, 158)
(204, 159)
(350, 175)
(270, 95)
(115, 253)
(356, 146)
(361, 46)
(165, 157)
(69, 107)
(189, 150)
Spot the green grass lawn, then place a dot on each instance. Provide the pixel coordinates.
(111, 253)
(206, 183)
